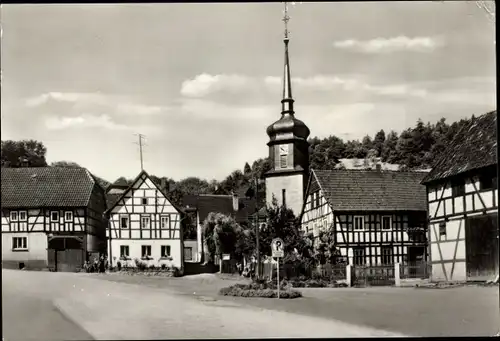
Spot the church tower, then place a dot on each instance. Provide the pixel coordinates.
(288, 147)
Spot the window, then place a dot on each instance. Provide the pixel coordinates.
(144, 201)
(68, 216)
(442, 229)
(317, 199)
(19, 243)
(23, 216)
(164, 222)
(188, 253)
(283, 161)
(145, 222)
(386, 223)
(13, 216)
(458, 188)
(124, 222)
(387, 255)
(312, 200)
(54, 216)
(146, 250)
(165, 250)
(359, 255)
(359, 223)
(124, 251)
(485, 182)
(283, 197)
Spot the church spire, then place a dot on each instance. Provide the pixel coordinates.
(287, 101)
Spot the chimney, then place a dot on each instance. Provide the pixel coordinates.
(378, 167)
(236, 202)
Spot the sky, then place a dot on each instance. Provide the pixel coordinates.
(203, 81)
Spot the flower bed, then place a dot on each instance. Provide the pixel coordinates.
(263, 289)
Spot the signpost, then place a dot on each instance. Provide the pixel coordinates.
(277, 248)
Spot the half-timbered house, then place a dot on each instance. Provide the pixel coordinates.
(379, 217)
(51, 217)
(462, 191)
(144, 225)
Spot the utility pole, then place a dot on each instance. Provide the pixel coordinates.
(257, 225)
(141, 137)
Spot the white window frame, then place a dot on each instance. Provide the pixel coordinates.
(125, 247)
(146, 225)
(25, 216)
(58, 217)
(66, 219)
(150, 250)
(167, 225)
(384, 255)
(167, 247)
(363, 256)
(362, 223)
(15, 246)
(390, 223)
(14, 216)
(128, 221)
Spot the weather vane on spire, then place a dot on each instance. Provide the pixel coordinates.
(285, 19)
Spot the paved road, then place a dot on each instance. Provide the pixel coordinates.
(34, 317)
(111, 310)
(462, 311)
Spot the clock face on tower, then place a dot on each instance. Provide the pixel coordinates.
(284, 149)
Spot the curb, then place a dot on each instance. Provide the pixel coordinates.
(63, 309)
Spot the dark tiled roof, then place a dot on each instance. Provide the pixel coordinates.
(206, 204)
(474, 146)
(113, 193)
(46, 187)
(371, 190)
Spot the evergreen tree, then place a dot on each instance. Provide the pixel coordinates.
(378, 142)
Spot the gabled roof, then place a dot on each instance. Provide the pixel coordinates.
(207, 203)
(474, 147)
(113, 198)
(46, 187)
(372, 190)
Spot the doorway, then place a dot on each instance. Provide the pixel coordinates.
(481, 245)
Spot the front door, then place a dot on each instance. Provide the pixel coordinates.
(416, 257)
(481, 244)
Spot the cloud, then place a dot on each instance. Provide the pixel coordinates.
(205, 84)
(389, 45)
(247, 90)
(90, 101)
(84, 121)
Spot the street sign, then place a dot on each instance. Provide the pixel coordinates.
(277, 247)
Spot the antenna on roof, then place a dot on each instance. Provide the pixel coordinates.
(141, 145)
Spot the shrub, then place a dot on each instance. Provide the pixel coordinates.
(251, 290)
(119, 265)
(163, 266)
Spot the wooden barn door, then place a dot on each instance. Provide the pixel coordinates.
(481, 240)
(66, 254)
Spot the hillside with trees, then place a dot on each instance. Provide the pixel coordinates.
(414, 148)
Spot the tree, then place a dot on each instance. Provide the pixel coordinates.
(282, 223)
(247, 170)
(378, 142)
(389, 148)
(65, 164)
(220, 235)
(25, 153)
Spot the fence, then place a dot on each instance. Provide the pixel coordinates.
(375, 275)
(415, 270)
